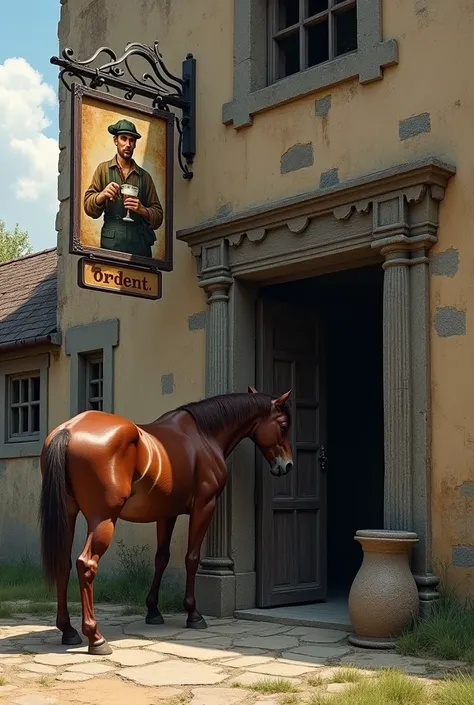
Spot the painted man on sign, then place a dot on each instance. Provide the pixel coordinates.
(130, 220)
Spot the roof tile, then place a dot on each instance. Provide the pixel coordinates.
(28, 296)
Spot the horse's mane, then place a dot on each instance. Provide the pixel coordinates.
(211, 414)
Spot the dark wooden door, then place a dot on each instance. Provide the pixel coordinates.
(291, 510)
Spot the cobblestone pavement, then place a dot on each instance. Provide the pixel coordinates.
(153, 665)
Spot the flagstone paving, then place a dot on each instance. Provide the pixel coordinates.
(169, 664)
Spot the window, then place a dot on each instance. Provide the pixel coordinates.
(24, 408)
(310, 45)
(95, 382)
(91, 349)
(305, 33)
(23, 416)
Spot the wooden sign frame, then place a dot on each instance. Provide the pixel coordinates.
(79, 95)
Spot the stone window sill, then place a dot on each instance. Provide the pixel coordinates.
(357, 65)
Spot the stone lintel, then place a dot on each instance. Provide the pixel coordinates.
(419, 181)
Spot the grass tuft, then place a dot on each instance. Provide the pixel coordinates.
(127, 585)
(390, 688)
(448, 633)
(3, 680)
(269, 686)
(315, 681)
(346, 675)
(289, 699)
(458, 690)
(45, 681)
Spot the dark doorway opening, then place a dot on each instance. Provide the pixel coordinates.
(353, 315)
(349, 306)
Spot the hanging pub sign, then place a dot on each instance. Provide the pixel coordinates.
(122, 181)
(122, 159)
(119, 279)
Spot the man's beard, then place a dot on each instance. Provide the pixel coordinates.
(125, 154)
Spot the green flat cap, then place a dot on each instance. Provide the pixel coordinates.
(124, 127)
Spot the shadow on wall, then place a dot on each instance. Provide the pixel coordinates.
(19, 492)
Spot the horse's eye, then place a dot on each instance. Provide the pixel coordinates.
(283, 426)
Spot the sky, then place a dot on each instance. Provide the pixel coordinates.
(29, 119)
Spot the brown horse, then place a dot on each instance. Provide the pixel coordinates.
(109, 468)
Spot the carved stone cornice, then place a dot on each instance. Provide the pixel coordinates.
(384, 193)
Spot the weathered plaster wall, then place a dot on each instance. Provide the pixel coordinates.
(20, 479)
(423, 106)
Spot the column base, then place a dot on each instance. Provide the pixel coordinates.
(245, 591)
(215, 594)
(428, 592)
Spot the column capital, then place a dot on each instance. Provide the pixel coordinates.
(405, 225)
(217, 287)
(403, 250)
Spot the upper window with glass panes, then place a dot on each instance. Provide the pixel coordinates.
(306, 33)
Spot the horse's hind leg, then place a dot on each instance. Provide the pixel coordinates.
(98, 540)
(63, 621)
(164, 532)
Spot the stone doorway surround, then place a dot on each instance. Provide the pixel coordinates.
(389, 217)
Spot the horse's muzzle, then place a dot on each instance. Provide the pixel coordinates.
(280, 467)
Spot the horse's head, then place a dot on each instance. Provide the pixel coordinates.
(271, 436)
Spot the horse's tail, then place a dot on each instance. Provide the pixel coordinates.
(53, 508)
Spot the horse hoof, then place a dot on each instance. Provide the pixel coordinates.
(100, 649)
(154, 619)
(199, 624)
(71, 639)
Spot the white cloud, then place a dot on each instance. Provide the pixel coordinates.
(29, 157)
(41, 156)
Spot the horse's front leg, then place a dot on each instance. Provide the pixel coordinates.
(164, 532)
(199, 521)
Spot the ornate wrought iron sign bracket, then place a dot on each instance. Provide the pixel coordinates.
(157, 85)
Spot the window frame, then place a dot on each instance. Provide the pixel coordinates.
(21, 404)
(252, 92)
(275, 34)
(82, 342)
(25, 367)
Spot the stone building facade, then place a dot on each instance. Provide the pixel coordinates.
(324, 244)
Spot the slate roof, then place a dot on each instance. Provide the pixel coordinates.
(28, 297)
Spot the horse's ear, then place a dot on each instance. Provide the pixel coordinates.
(282, 400)
(252, 390)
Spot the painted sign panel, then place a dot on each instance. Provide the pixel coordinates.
(119, 279)
(122, 181)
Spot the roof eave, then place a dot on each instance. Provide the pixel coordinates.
(52, 339)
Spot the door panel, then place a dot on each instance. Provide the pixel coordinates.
(291, 510)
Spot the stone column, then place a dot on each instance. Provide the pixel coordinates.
(391, 231)
(423, 231)
(216, 560)
(215, 583)
(398, 510)
(405, 228)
